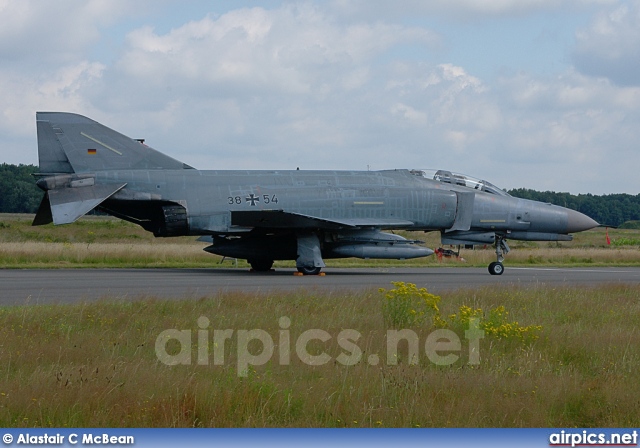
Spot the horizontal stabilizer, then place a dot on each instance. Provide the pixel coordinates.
(279, 219)
(43, 216)
(66, 205)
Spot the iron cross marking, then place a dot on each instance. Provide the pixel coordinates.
(253, 199)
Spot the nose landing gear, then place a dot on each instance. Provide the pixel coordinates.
(502, 249)
(496, 268)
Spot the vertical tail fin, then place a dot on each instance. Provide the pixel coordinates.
(71, 143)
(51, 156)
(71, 148)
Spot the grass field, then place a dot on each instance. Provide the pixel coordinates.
(109, 242)
(95, 364)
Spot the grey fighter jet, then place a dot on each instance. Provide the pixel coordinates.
(262, 216)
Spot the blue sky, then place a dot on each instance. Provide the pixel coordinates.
(524, 93)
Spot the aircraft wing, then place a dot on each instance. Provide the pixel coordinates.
(280, 219)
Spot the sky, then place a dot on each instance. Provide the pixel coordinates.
(540, 94)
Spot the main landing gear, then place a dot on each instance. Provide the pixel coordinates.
(502, 249)
(265, 265)
(261, 265)
(309, 270)
(309, 261)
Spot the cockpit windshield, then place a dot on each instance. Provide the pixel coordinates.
(447, 177)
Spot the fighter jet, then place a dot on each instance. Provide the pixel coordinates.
(263, 216)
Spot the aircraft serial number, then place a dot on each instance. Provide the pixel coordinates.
(253, 199)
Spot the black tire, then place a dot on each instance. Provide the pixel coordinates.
(261, 265)
(496, 268)
(309, 270)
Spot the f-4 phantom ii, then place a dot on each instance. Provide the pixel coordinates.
(263, 216)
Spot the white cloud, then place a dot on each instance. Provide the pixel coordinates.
(274, 83)
(293, 49)
(462, 9)
(58, 90)
(576, 130)
(610, 46)
(45, 65)
(55, 32)
(412, 116)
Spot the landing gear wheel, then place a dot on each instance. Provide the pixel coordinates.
(261, 265)
(309, 270)
(496, 268)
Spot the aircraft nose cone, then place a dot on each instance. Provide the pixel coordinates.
(577, 222)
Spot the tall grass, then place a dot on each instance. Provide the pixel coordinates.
(109, 242)
(180, 254)
(94, 364)
(49, 255)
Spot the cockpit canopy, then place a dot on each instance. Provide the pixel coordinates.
(447, 177)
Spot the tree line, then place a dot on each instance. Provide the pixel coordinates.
(18, 190)
(19, 194)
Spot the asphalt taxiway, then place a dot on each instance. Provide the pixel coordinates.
(46, 286)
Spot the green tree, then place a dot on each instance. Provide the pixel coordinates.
(18, 190)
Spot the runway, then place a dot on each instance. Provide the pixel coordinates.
(48, 286)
